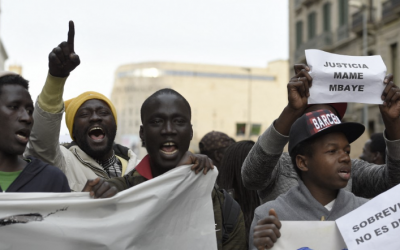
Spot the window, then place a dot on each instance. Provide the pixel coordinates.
(240, 128)
(312, 25)
(255, 129)
(343, 12)
(299, 33)
(327, 17)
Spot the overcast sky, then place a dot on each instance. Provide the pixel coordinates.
(111, 33)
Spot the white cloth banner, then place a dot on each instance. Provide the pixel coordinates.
(309, 235)
(339, 78)
(374, 225)
(172, 211)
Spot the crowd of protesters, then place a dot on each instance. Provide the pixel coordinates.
(258, 186)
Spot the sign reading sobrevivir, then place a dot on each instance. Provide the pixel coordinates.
(374, 225)
(339, 78)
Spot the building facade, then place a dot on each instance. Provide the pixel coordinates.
(336, 26)
(241, 102)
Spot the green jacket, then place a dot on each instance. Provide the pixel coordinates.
(236, 240)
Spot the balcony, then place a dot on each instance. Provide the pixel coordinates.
(357, 21)
(390, 10)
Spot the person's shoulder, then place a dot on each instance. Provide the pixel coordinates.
(44, 167)
(356, 200)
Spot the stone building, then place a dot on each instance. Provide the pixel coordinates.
(240, 101)
(336, 26)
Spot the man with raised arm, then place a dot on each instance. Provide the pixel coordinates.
(270, 170)
(92, 123)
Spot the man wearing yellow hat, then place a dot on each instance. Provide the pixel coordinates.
(92, 123)
(91, 120)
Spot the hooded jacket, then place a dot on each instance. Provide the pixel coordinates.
(298, 204)
(38, 176)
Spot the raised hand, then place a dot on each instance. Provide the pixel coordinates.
(390, 109)
(298, 88)
(62, 59)
(266, 233)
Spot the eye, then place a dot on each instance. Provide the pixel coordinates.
(30, 111)
(13, 107)
(104, 112)
(156, 121)
(180, 121)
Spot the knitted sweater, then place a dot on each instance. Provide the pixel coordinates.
(271, 172)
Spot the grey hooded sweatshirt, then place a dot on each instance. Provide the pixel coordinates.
(299, 205)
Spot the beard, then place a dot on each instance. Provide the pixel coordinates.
(81, 138)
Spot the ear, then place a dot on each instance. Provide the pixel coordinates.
(191, 131)
(141, 135)
(301, 162)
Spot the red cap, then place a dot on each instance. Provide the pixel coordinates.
(340, 108)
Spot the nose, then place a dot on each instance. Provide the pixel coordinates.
(95, 117)
(168, 128)
(344, 157)
(26, 116)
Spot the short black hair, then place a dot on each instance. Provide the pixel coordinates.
(166, 91)
(378, 144)
(13, 79)
(303, 148)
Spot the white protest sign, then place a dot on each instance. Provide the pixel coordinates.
(339, 78)
(172, 211)
(374, 225)
(309, 235)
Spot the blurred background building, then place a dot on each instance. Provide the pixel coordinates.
(338, 26)
(241, 102)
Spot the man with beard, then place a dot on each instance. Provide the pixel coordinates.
(19, 174)
(92, 123)
(166, 133)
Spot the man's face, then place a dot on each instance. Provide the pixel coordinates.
(166, 130)
(95, 128)
(329, 167)
(367, 155)
(16, 121)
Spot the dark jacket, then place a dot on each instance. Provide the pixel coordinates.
(38, 176)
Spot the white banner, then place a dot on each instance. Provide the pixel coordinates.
(374, 225)
(309, 235)
(339, 78)
(172, 211)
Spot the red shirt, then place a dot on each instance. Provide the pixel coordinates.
(143, 168)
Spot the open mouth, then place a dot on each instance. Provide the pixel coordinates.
(345, 174)
(96, 134)
(23, 135)
(169, 148)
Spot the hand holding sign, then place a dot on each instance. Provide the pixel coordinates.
(62, 59)
(266, 233)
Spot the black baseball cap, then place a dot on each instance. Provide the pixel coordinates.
(321, 122)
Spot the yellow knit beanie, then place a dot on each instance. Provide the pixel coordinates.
(72, 106)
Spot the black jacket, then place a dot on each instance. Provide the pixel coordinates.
(39, 176)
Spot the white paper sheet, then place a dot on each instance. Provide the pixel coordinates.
(172, 211)
(339, 78)
(375, 225)
(309, 235)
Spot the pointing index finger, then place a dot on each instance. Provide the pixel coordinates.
(71, 35)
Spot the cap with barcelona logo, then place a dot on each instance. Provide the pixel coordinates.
(322, 122)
